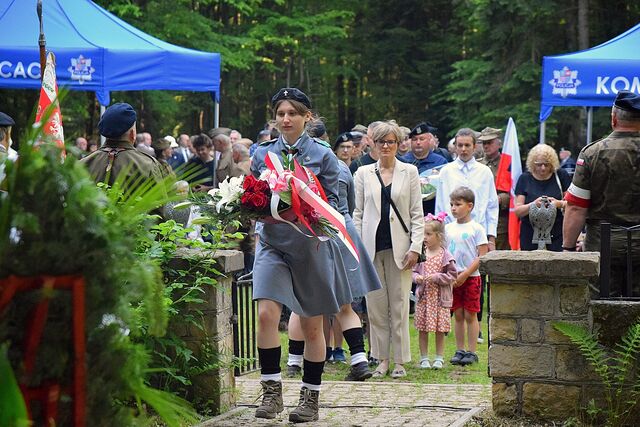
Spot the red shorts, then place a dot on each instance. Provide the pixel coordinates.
(467, 296)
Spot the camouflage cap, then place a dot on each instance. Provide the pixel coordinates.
(359, 128)
(160, 144)
(487, 134)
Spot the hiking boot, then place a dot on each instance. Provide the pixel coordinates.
(271, 400)
(307, 409)
(338, 355)
(293, 371)
(469, 358)
(359, 372)
(455, 360)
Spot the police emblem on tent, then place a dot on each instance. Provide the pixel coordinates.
(81, 69)
(565, 82)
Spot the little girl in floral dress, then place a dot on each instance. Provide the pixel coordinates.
(434, 291)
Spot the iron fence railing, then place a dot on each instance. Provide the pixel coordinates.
(245, 346)
(625, 289)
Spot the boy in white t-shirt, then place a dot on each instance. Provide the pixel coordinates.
(467, 243)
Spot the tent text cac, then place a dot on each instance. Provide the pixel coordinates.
(9, 70)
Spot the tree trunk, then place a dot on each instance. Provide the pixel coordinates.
(583, 24)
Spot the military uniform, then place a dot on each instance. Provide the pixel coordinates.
(607, 182)
(117, 157)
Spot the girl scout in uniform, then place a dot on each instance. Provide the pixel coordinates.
(302, 273)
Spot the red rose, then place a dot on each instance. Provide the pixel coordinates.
(262, 187)
(261, 201)
(249, 182)
(255, 201)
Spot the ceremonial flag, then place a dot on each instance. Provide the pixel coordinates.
(509, 170)
(49, 96)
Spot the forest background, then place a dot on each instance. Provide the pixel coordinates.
(455, 63)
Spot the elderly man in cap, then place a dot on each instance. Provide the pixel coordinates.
(422, 155)
(118, 155)
(606, 188)
(491, 145)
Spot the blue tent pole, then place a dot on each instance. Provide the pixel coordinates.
(543, 126)
(589, 124)
(216, 114)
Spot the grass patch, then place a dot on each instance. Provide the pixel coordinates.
(450, 374)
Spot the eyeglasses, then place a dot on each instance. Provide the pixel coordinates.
(382, 143)
(540, 164)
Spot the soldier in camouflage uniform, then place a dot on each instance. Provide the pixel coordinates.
(606, 187)
(118, 155)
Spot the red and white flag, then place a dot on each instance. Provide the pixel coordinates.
(509, 170)
(48, 96)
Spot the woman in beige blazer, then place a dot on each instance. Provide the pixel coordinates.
(393, 250)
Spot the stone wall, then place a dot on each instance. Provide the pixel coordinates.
(536, 371)
(214, 387)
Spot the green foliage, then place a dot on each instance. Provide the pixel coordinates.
(54, 220)
(469, 63)
(617, 369)
(13, 411)
(187, 282)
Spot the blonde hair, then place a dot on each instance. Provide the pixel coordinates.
(545, 151)
(387, 128)
(436, 227)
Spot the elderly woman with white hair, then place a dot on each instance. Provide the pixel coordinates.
(543, 178)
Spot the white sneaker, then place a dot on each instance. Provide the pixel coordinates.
(424, 364)
(480, 340)
(437, 364)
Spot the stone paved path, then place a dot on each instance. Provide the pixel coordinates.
(367, 404)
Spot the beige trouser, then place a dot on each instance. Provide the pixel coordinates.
(388, 310)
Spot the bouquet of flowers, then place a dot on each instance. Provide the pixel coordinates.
(429, 182)
(290, 195)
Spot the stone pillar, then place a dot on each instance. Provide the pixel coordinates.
(536, 371)
(216, 386)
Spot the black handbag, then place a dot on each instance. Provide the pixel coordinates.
(422, 257)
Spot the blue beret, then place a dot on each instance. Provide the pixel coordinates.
(116, 120)
(6, 120)
(628, 101)
(293, 94)
(424, 127)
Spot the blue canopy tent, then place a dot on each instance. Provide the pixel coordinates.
(98, 52)
(592, 77)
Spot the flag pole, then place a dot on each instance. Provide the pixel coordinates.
(42, 42)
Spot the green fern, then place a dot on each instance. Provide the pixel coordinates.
(614, 367)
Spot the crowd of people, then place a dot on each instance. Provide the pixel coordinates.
(411, 244)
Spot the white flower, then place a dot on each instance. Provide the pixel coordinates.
(229, 191)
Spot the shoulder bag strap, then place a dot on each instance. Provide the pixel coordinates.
(559, 185)
(387, 196)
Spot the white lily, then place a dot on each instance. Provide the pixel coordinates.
(229, 191)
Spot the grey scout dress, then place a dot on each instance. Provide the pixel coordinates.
(306, 275)
(363, 277)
